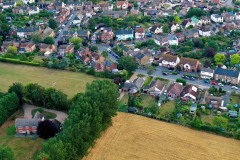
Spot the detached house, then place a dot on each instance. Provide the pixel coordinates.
(187, 23)
(25, 32)
(189, 92)
(122, 4)
(228, 16)
(173, 27)
(64, 49)
(139, 33)
(46, 47)
(27, 47)
(107, 35)
(216, 18)
(109, 66)
(172, 39)
(205, 31)
(191, 33)
(157, 29)
(134, 86)
(142, 59)
(155, 88)
(189, 64)
(228, 76)
(124, 34)
(169, 61)
(174, 91)
(26, 126)
(161, 40)
(207, 73)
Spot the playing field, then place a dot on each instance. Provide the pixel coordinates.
(134, 137)
(68, 82)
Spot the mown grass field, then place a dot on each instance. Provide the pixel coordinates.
(134, 137)
(68, 82)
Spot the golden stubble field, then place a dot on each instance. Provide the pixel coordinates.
(134, 137)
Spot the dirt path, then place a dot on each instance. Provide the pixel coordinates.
(61, 116)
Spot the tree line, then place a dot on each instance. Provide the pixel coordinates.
(90, 114)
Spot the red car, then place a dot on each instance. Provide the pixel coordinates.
(213, 83)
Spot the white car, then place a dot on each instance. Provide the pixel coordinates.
(109, 49)
(220, 84)
(234, 87)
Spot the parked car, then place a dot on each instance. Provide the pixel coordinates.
(165, 73)
(206, 81)
(213, 83)
(192, 78)
(220, 84)
(234, 87)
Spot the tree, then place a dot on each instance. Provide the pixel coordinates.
(19, 3)
(104, 54)
(177, 19)
(43, 156)
(166, 28)
(128, 63)
(195, 12)
(35, 94)
(48, 40)
(75, 40)
(220, 122)
(235, 59)
(52, 23)
(210, 52)
(12, 50)
(219, 58)
(36, 38)
(94, 48)
(91, 24)
(17, 88)
(6, 153)
(46, 129)
(207, 63)
(55, 99)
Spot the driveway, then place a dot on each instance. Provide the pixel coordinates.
(27, 108)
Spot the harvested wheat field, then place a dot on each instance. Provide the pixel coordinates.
(134, 137)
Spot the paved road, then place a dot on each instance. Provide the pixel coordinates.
(104, 47)
(61, 116)
(69, 23)
(200, 83)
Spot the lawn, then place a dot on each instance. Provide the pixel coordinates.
(23, 148)
(207, 118)
(66, 81)
(147, 100)
(235, 99)
(167, 108)
(47, 115)
(133, 137)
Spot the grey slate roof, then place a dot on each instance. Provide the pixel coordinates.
(122, 32)
(226, 72)
(26, 122)
(139, 56)
(207, 70)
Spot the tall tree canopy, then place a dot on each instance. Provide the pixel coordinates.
(128, 63)
(6, 153)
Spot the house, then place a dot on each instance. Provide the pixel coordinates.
(191, 33)
(189, 64)
(139, 33)
(26, 32)
(205, 20)
(47, 32)
(142, 59)
(155, 88)
(189, 92)
(174, 91)
(109, 66)
(237, 16)
(26, 47)
(5, 45)
(105, 6)
(107, 35)
(39, 116)
(122, 4)
(227, 75)
(9, 4)
(207, 73)
(173, 27)
(169, 61)
(28, 1)
(156, 29)
(161, 40)
(134, 11)
(180, 36)
(124, 35)
(134, 86)
(228, 16)
(25, 126)
(46, 47)
(114, 14)
(187, 23)
(172, 39)
(33, 10)
(205, 31)
(196, 21)
(216, 18)
(64, 49)
(77, 19)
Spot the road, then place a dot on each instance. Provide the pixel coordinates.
(69, 23)
(198, 82)
(104, 47)
(229, 3)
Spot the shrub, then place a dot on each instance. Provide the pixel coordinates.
(183, 81)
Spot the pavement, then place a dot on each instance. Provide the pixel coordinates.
(198, 82)
(69, 23)
(27, 108)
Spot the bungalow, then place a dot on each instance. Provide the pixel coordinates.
(228, 76)
(64, 49)
(187, 23)
(155, 88)
(216, 18)
(189, 92)
(139, 33)
(124, 35)
(189, 64)
(205, 31)
(26, 126)
(172, 39)
(174, 91)
(206, 73)
(27, 47)
(122, 4)
(46, 47)
(169, 61)
(142, 59)
(156, 29)
(134, 86)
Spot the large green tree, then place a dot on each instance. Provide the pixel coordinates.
(35, 94)
(6, 153)
(17, 88)
(128, 63)
(235, 59)
(220, 122)
(48, 40)
(52, 23)
(56, 99)
(219, 58)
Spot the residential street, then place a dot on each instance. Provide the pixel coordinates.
(198, 82)
(229, 3)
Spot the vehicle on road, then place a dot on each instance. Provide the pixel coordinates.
(192, 79)
(214, 83)
(165, 73)
(220, 84)
(206, 81)
(234, 87)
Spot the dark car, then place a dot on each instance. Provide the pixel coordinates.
(171, 68)
(192, 78)
(206, 81)
(164, 73)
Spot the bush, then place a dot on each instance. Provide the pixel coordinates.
(183, 81)
(17, 61)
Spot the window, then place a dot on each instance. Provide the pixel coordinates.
(27, 127)
(20, 127)
(34, 127)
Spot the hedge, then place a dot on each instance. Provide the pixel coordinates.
(183, 81)
(17, 61)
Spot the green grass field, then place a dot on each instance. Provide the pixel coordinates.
(68, 82)
(167, 108)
